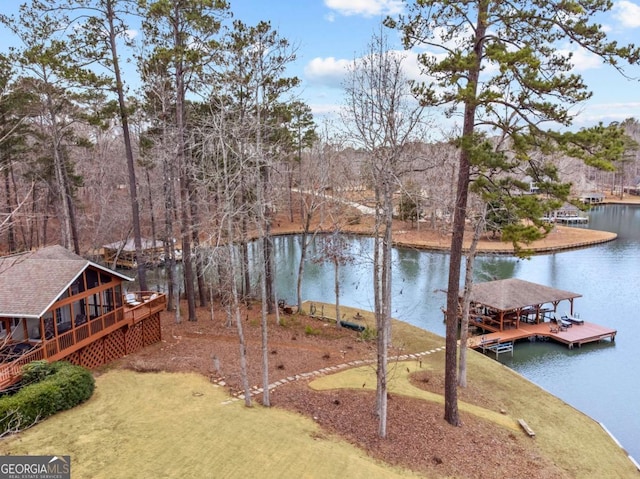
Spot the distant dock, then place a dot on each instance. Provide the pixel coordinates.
(572, 220)
(576, 335)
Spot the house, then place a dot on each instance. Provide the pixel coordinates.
(592, 198)
(634, 188)
(57, 305)
(534, 189)
(567, 213)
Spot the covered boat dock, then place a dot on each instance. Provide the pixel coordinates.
(511, 309)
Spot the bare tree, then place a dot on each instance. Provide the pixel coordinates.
(184, 36)
(468, 286)
(382, 117)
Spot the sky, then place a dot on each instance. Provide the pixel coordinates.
(329, 34)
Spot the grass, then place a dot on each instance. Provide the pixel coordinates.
(175, 425)
(399, 384)
(574, 441)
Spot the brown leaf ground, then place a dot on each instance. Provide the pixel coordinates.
(419, 438)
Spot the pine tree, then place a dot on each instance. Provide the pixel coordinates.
(499, 64)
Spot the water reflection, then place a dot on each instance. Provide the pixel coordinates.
(594, 378)
(597, 378)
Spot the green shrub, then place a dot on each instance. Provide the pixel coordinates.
(36, 371)
(53, 387)
(311, 331)
(369, 334)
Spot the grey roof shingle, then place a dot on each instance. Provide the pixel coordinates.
(511, 294)
(31, 282)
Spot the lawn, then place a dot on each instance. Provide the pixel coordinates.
(176, 426)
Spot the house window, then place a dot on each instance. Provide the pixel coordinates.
(63, 319)
(48, 324)
(3, 330)
(17, 329)
(92, 278)
(94, 305)
(107, 301)
(78, 285)
(79, 312)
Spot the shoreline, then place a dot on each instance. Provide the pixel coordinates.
(406, 235)
(561, 238)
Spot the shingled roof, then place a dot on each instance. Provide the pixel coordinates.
(31, 282)
(512, 294)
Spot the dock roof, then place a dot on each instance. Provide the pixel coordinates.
(130, 247)
(512, 294)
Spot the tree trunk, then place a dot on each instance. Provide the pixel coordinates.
(235, 304)
(451, 414)
(58, 165)
(169, 248)
(303, 258)
(195, 234)
(290, 184)
(124, 121)
(266, 401)
(382, 291)
(268, 263)
(185, 223)
(468, 285)
(336, 287)
(72, 213)
(152, 216)
(246, 285)
(11, 242)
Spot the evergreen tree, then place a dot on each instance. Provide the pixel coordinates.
(499, 64)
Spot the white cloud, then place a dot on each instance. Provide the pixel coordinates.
(606, 113)
(326, 109)
(582, 59)
(330, 17)
(327, 71)
(366, 8)
(627, 13)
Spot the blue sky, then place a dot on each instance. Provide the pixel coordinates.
(329, 34)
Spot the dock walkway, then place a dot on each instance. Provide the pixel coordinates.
(576, 335)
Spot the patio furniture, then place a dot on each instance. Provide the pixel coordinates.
(572, 319)
(562, 323)
(130, 299)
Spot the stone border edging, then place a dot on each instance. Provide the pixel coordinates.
(329, 369)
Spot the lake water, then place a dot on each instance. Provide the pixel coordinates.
(600, 379)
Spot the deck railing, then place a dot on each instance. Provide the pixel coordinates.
(10, 371)
(149, 303)
(81, 335)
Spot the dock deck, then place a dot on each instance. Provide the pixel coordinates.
(576, 335)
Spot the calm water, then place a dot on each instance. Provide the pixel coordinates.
(602, 380)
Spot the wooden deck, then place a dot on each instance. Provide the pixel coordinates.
(66, 344)
(576, 335)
